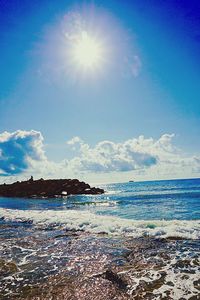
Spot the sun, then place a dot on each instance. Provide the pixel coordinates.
(87, 51)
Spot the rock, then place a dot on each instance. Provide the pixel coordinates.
(47, 188)
(7, 268)
(115, 278)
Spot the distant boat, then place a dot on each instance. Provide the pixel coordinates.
(131, 180)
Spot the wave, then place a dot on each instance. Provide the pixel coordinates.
(84, 220)
(114, 192)
(95, 203)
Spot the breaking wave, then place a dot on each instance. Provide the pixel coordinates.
(91, 222)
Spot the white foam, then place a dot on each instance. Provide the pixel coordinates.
(181, 289)
(113, 192)
(74, 219)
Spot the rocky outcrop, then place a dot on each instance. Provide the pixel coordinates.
(50, 188)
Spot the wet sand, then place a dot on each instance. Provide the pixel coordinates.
(51, 262)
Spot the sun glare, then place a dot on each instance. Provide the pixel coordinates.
(87, 51)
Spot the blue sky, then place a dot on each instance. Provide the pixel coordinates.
(149, 84)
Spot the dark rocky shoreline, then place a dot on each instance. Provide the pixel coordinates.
(50, 188)
(77, 265)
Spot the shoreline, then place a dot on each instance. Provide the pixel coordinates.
(41, 262)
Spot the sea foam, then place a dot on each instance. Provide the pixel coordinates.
(88, 221)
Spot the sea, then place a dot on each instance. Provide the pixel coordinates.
(34, 236)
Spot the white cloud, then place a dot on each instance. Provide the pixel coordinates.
(18, 149)
(74, 140)
(136, 66)
(146, 158)
(108, 156)
(22, 154)
(132, 65)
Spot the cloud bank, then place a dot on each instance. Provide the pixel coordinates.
(108, 156)
(146, 158)
(22, 154)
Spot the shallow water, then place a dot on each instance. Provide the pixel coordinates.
(36, 259)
